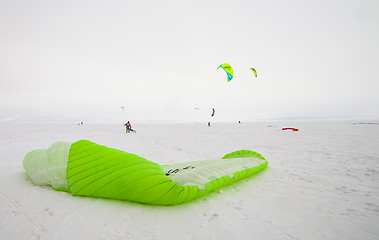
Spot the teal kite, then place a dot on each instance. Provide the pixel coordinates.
(228, 69)
(84, 168)
(254, 71)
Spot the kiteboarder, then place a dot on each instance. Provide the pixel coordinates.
(128, 127)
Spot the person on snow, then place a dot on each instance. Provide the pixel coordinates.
(128, 127)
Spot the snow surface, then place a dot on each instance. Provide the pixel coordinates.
(321, 183)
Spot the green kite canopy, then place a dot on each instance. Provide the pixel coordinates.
(228, 69)
(87, 169)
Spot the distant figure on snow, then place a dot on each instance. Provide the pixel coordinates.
(209, 124)
(128, 127)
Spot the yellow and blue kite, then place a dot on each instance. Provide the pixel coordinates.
(228, 69)
(255, 71)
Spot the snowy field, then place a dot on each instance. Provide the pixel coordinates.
(322, 182)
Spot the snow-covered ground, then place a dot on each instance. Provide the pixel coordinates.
(321, 183)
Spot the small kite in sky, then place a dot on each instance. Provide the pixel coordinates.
(228, 69)
(213, 112)
(254, 71)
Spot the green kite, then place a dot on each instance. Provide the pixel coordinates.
(88, 169)
(228, 69)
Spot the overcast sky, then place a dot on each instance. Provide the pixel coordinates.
(83, 60)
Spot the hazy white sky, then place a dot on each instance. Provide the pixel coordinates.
(83, 60)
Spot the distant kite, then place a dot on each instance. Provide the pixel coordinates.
(122, 108)
(254, 71)
(213, 112)
(228, 69)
